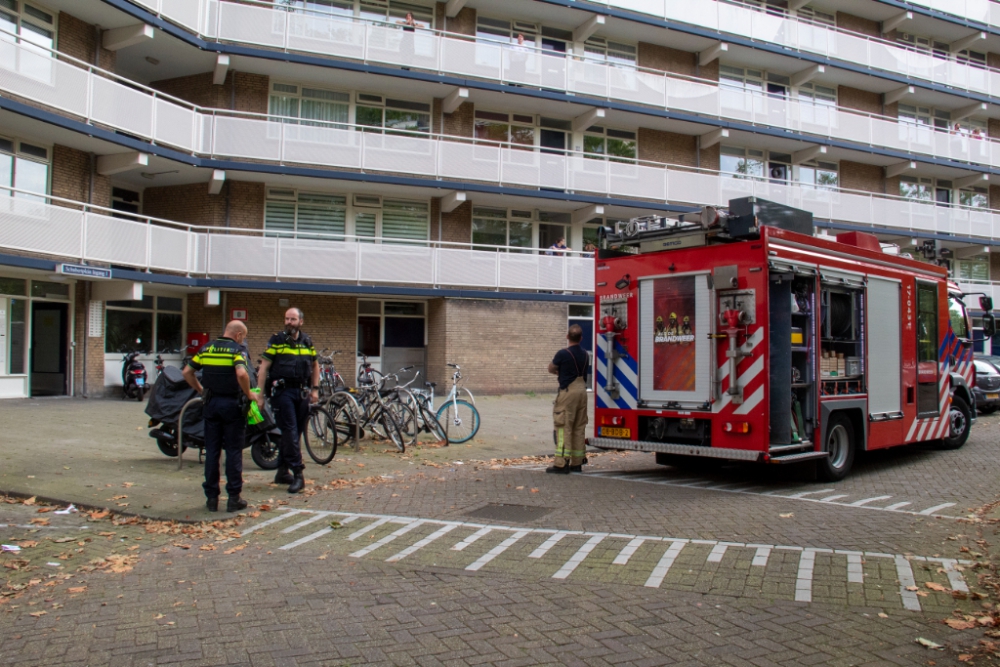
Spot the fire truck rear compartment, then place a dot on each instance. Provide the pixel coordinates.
(676, 430)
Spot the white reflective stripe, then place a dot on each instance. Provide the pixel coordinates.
(497, 550)
(751, 403)
(485, 530)
(803, 580)
(905, 575)
(931, 510)
(578, 557)
(276, 519)
(718, 551)
(628, 551)
(443, 530)
(388, 538)
(913, 426)
(755, 368)
(371, 526)
(661, 569)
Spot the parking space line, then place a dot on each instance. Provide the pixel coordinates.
(319, 533)
(578, 557)
(803, 494)
(302, 524)
(497, 550)
(906, 581)
(896, 506)
(955, 579)
(855, 570)
(804, 578)
(830, 499)
(659, 572)
(281, 517)
(548, 544)
(371, 526)
(931, 510)
(718, 551)
(485, 530)
(440, 532)
(859, 503)
(760, 556)
(388, 538)
(629, 549)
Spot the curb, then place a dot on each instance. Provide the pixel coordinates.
(89, 507)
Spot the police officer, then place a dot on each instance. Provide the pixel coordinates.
(225, 388)
(290, 372)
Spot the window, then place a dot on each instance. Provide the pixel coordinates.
(599, 142)
(501, 227)
(813, 15)
(974, 197)
(927, 323)
(128, 202)
(154, 324)
(374, 111)
(915, 115)
(501, 30)
(33, 24)
(819, 174)
(507, 128)
(924, 44)
(304, 215)
(959, 319)
(24, 166)
(293, 101)
(336, 7)
(742, 162)
(393, 12)
(920, 189)
(974, 268)
(737, 78)
(614, 53)
(42, 289)
(405, 220)
(814, 93)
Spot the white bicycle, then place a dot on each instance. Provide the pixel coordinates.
(458, 416)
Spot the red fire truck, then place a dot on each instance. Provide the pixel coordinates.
(740, 335)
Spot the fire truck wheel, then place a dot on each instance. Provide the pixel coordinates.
(961, 424)
(840, 448)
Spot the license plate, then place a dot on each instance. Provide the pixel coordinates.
(139, 382)
(612, 432)
(992, 397)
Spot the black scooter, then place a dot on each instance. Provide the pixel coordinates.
(134, 383)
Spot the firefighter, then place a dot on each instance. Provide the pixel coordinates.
(672, 328)
(225, 389)
(290, 372)
(569, 410)
(686, 325)
(659, 325)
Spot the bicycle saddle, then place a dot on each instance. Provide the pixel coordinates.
(430, 384)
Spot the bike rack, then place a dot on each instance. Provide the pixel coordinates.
(180, 431)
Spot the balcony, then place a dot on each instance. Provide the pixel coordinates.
(260, 24)
(78, 231)
(983, 11)
(211, 133)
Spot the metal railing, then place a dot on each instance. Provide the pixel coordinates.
(295, 30)
(73, 230)
(984, 11)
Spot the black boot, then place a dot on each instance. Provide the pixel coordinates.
(298, 483)
(235, 504)
(212, 504)
(558, 470)
(283, 476)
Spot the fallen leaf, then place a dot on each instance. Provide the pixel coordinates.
(965, 657)
(159, 616)
(63, 540)
(128, 484)
(30, 501)
(958, 624)
(985, 621)
(534, 490)
(97, 515)
(911, 588)
(265, 508)
(40, 522)
(518, 488)
(236, 548)
(787, 515)
(936, 587)
(207, 547)
(43, 510)
(78, 589)
(927, 643)
(38, 614)
(182, 546)
(922, 594)
(119, 497)
(253, 515)
(882, 614)
(27, 544)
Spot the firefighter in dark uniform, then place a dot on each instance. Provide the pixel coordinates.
(225, 388)
(290, 373)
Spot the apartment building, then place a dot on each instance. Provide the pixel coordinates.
(399, 170)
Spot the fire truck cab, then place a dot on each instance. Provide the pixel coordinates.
(739, 335)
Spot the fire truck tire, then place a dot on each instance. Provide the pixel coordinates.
(961, 424)
(840, 447)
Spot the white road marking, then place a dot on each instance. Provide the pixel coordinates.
(485, 530)
(301, 524)
(660, 571)
(628, 550)
(497, 550)
(830, 499)
(804, 578)
(931, 510)
(718, 551)
(760, 556)
(284, 515)
(388, 538)
(855, 569)
(896, 506)
(548, 544)
(578, 557)
(955, 579)
(440, 532)
(803, 494)
(905, 575)
(859, 503)
(371, 526)
(317, 534)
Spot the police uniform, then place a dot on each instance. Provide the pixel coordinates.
(289, 379)
(225, 423)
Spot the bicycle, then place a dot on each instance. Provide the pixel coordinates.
(459, 417)
(337, 398)
(423, 419)
(321, 434)
(375, 412)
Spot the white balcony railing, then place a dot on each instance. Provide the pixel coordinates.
(983, 11)
(259, 23)
(214, 133)
(77, 231)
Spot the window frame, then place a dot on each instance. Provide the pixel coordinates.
(16, 153)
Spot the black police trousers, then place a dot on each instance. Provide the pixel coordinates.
(225, 430)
(291, 414)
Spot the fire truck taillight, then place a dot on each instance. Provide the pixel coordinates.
(736, 427)
(617, 421)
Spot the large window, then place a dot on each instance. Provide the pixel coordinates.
(153, 324)
(738, 78)
(24, 166)
(310, 104)
(501, 227)
(378, 112)
(501, 30)
(615, 53)
(515, 128)
(391, 11)
(601, 142)
(405, 220)
(974, 268)
(926, 322)
(304, 214)
(974, 197)
(819, 174)
(742, 162)
(34, 24)
(814, 93)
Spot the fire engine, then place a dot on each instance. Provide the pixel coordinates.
(741, 335)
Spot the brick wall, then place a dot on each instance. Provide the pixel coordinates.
(995, 204)
(464, 23)
(859, 100)
(857, 24)
(456, 226)
(241, 91)
(461, 122)
(866, 177)
(80, 39)
(94, 347)
(666, 59)
(437, 341)
(667, 147)
(193, 205)
(71, 177)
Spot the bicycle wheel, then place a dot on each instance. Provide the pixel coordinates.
(406, 419)
(345, 416)
(431, 424)
(384, 426)
(321, 435)
(462, 420)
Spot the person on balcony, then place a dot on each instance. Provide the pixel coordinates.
(558, 248)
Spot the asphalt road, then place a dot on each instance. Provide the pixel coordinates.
(440, 563)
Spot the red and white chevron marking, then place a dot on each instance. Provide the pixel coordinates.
(751, 378)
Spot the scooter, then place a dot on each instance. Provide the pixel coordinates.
(133, 376)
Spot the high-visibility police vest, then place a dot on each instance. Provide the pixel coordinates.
(291, 360)
(217, 362)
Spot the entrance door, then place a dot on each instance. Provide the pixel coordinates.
(49, 348)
